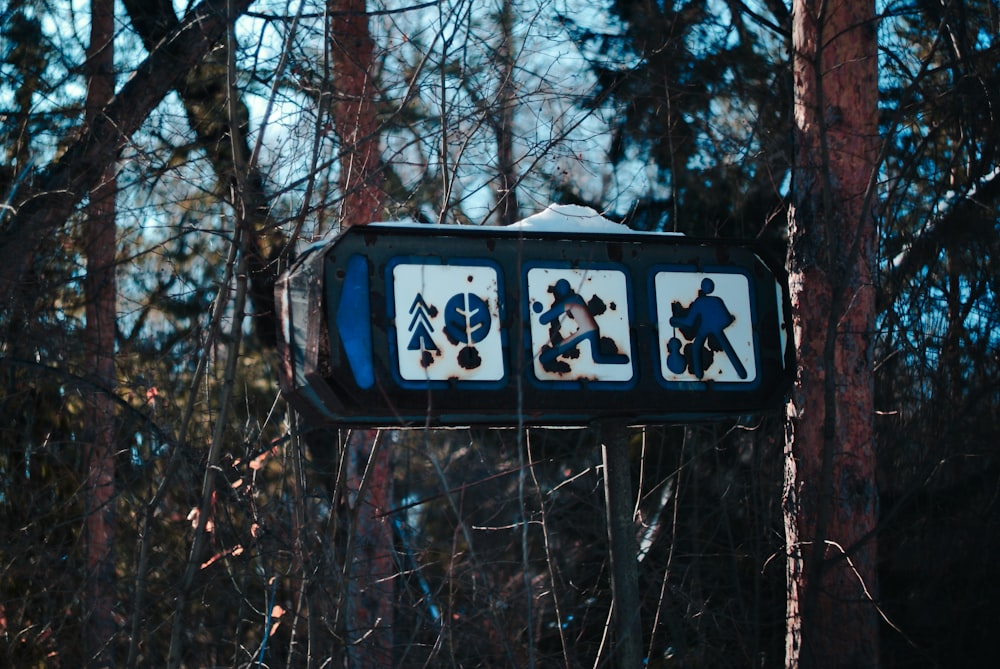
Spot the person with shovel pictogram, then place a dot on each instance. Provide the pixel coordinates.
(704, 321)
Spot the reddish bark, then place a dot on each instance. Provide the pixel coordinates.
(352, 53)
(508, 209)
(101, 297)
(370, 566)
(830, 495)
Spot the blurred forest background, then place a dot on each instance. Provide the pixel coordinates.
(161, 163)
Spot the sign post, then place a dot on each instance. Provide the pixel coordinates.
(620, 506)
(420, 326)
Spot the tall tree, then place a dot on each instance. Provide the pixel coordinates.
(368, 562)
(501, 118)
(352, 54)
(830, 498)
(100, 293)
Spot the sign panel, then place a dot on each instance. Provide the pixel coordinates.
(445, 325)
(705, 326)
(580, 325)
(447, 322)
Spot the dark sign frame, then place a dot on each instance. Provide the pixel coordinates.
(341, 367)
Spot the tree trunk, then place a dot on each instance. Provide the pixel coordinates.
(830, 498)
(101, 297)
(352, 53)
(369, 568)
(60, 188)
(503, 121)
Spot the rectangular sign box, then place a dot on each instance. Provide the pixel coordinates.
(414, 325)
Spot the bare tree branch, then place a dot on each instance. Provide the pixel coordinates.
(57, 190)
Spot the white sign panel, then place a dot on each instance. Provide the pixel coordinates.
(705, 327)
(580, 324)
(447, 322)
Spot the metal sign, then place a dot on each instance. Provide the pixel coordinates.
(448, 325)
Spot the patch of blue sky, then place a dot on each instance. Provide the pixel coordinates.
(596, 18)
(173, 214)
(922, 323)
(284, 124)
(558, 137)
(552, 79)
(713, 36)
(986, 38)
(900, 58)
(62, 88)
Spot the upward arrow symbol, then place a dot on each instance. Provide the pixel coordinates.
(420, 318)
(418, 303)
(420, 326)
(421, 340)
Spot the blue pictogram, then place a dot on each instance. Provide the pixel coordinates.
(566, 301)
(447, 324)
(467, 322)
(420, 326)
(702, 323)
(466, 319)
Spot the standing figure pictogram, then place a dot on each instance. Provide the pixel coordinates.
(703, 322)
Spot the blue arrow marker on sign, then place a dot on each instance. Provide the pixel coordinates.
(354, 321)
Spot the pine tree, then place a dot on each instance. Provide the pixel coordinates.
(830, 499)
(100, 294)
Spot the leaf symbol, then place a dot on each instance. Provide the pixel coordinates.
(467, 319)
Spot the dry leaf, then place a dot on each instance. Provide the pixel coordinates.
(258, 462)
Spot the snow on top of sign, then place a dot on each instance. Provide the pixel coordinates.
(554, 218)
(569, 218)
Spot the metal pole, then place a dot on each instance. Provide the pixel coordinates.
(627, 649)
